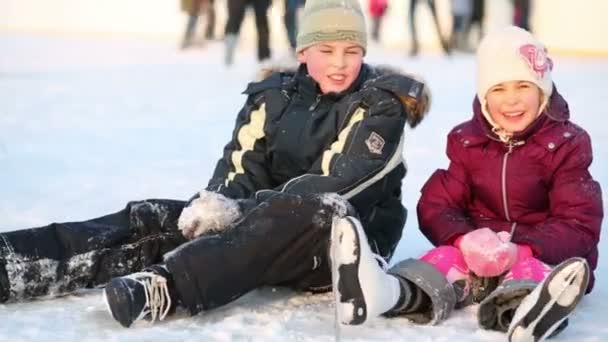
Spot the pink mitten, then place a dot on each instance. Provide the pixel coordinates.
(486, 253)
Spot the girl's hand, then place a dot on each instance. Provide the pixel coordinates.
(487, 253)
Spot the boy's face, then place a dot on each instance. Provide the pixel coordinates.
(514, 105)
(334, 65)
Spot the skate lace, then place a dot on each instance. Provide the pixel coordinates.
(158, 300)
(382, 262)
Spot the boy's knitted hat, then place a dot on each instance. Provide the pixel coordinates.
(512, 54)
(331, 20)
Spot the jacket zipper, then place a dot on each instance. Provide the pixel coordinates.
(314, 105)
(503, 178)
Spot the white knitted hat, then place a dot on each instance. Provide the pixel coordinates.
(510, 54)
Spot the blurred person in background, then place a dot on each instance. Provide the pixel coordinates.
(236, 14)
(462, 11)
(291, 20)
(377, 10)
(521, 14)
(477, 18)
(414, 36)
(194, 8)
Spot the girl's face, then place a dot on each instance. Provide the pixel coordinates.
(334, 65)
(514, 105)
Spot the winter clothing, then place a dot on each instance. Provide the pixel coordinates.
(140, 295)
(505, 206)
(193, 9)
(208, 212)
(451, 263)
(345, 144)
(486, 253)
(365, 289)
(290, 146)
(543, 313)
(373, 292)
(478, 13)
(449, 213)
(539, 203)
(63, 257)
(377, 9)
(413, 32)
(296, 152)
(497, 309)
(520, 57)
(433, 289)
(462, 7)
(430, 288)
(521, 14)
(425, 291)
(331, 20)
(463, 21)
(527, 268)
(282, 241)
(291, 20)
(505, 187)
(461, 17)
(532, 188)
(236, 14)
(477, 19)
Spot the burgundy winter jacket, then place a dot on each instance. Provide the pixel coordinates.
(538, 186)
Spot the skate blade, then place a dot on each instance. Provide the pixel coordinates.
(550, 304)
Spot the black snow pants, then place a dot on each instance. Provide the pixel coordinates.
(282, 241)
(63, 257)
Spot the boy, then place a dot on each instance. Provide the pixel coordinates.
(323, 141)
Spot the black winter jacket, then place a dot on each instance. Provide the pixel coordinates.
(291, 138)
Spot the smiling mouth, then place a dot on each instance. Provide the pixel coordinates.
(513, 114)
(337, 78)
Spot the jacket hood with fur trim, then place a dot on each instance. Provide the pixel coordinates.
(411, 89)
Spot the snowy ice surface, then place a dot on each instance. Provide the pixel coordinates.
(87, 125)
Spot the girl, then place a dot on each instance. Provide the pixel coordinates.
(516, 198)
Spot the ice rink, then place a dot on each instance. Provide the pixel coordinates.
(87, 125)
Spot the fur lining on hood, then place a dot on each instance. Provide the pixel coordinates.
(416, 99)
(411, 89)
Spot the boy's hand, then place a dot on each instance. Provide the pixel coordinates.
(487, 253)
(210, 212)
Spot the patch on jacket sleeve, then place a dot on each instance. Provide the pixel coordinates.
(415, 90)
(375, 143)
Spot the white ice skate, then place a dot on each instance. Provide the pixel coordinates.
(362, 287)
(551, 302)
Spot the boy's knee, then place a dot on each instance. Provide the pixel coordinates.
(337, 204)
(154, 216)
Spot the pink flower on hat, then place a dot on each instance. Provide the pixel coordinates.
(512, 54)
(537, 59)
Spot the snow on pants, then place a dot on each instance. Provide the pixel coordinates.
(62, 257)
(284, 241)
